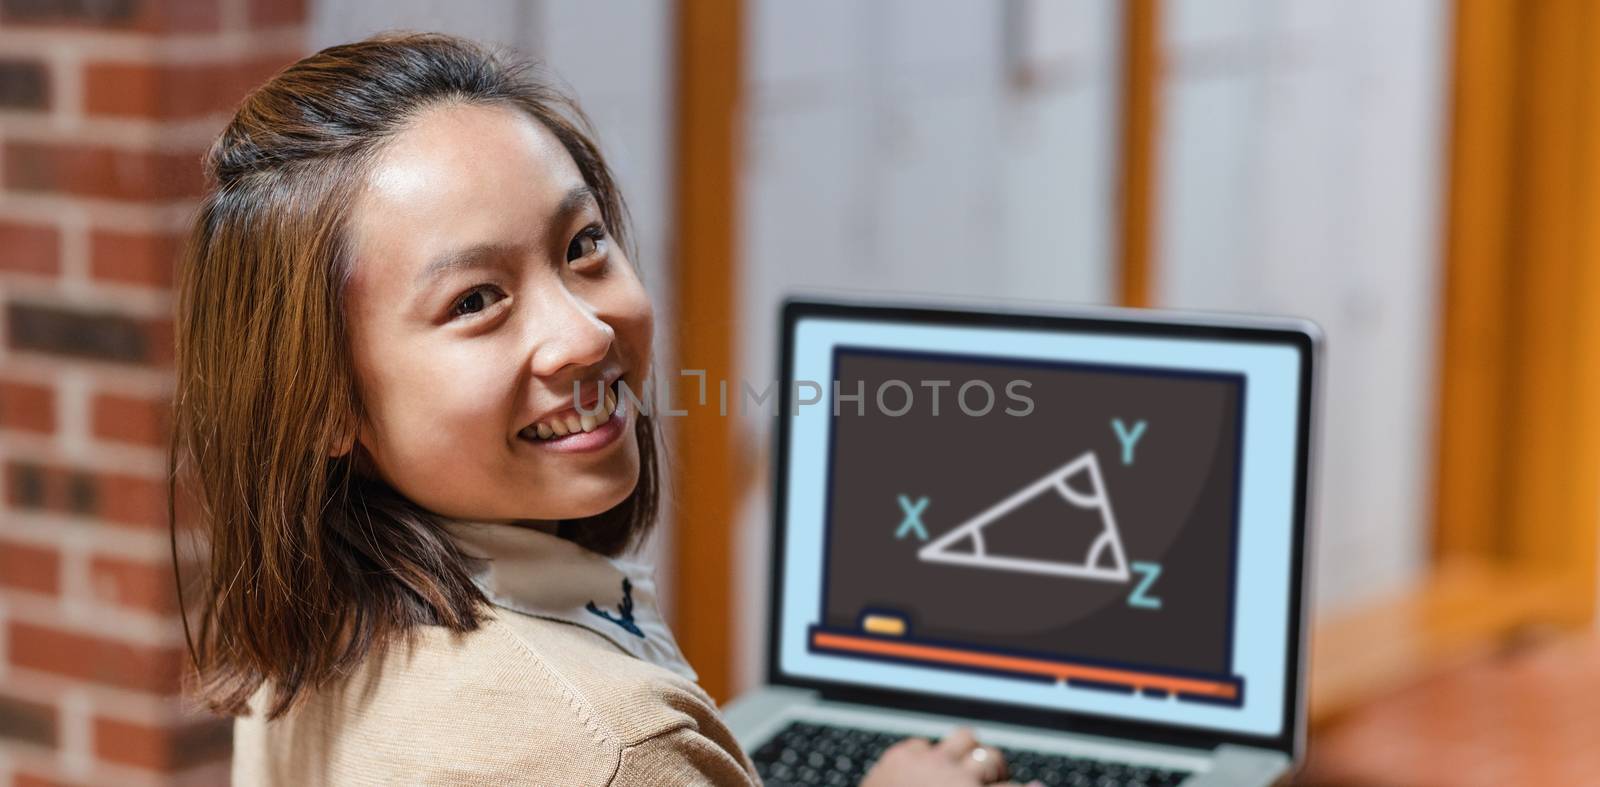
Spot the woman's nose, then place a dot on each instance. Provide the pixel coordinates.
(568, 332)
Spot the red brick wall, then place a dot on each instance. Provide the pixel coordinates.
(105, 109)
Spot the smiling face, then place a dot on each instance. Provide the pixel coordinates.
(485, 285)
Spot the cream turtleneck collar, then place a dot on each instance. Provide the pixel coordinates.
(526, 570)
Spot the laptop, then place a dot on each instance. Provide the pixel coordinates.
(1081, 534)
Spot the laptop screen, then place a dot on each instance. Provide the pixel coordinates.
(1089, 521)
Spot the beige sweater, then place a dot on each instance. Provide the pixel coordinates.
(546, 692)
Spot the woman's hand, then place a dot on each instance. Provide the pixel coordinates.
(957, 761)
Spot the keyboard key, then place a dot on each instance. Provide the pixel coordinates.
(805, 754)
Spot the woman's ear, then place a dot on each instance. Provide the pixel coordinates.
(343, 445)
(346, 441)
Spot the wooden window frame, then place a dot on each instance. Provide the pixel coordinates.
(707, 470)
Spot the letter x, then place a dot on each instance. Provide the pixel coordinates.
(913, 521)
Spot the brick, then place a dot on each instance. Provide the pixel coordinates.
(130, 419)
(82, 495)
(49, 488)
(188, 514)
(30, 779)
(27, 721)
(116, 498)
(168, 91)
(97, 659)
(163, 337)
(102, 171)
(24, 84)
(162, 748)
(26, 485)
(276, 13)
(29, 567)
(27, 407)
(89, 333)
(29, 248)
(134, 583)
(147, 16)
(130, 500)
(133, 257)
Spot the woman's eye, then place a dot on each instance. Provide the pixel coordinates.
(472, 303)
(589, 242)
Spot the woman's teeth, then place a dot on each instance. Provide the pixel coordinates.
(572, 424)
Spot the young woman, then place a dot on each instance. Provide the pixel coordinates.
(405, 308)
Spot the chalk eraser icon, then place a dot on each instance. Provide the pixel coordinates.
(887, 625)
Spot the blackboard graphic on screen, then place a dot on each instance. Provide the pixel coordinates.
(1069, 524)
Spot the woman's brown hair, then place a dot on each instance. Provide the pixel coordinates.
(312, 561)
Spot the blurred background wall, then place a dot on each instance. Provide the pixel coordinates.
(1351, 162)
(1301, 170)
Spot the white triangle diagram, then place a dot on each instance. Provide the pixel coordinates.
(949, 548)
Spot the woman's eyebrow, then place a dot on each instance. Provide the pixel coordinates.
(575, 200)
(477, 256)
(483, 254)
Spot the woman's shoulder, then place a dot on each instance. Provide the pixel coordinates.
(518, 699)
(628, 698)
(669, 730)
(438, 707)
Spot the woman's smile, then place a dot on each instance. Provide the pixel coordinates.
(581, 433)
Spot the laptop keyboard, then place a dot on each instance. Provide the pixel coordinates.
(823, 754)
